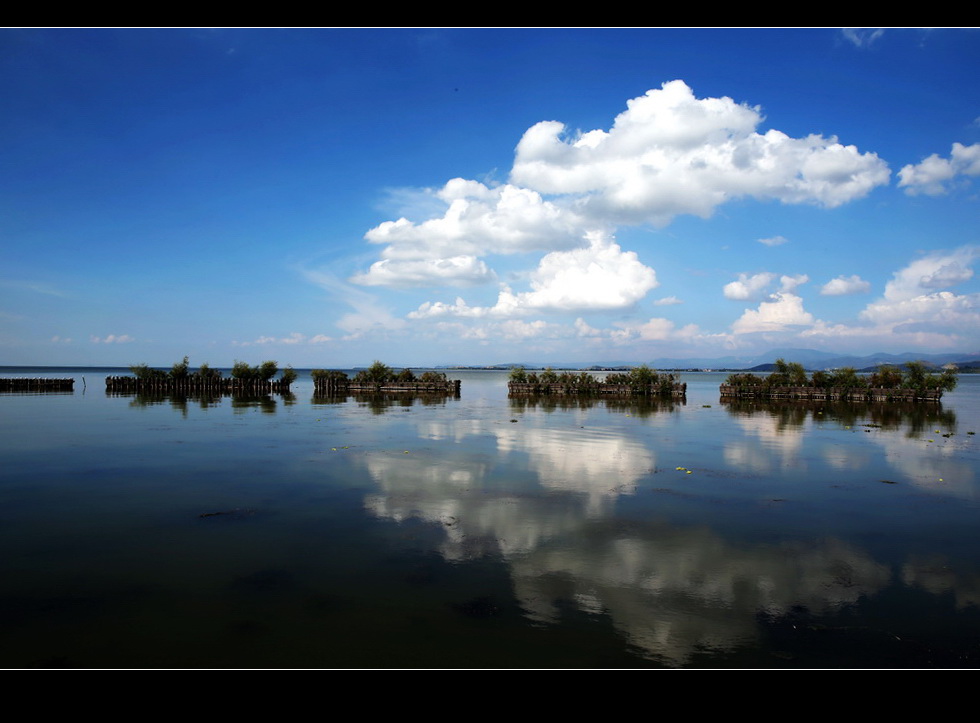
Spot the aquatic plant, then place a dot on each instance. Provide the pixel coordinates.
(263, 372)
(206, 372)
(847, 378)
(144, 372)
(179, 370)
(377, 373)
(640, 381)
(744, 379)
(643, 378)
(916, 377)
(328, 374)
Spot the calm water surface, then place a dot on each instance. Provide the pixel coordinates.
(484, 532)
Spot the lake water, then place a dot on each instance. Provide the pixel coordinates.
(482, 532)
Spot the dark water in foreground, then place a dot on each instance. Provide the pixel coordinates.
(476, 532)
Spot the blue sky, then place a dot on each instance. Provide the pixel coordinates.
(328, 197)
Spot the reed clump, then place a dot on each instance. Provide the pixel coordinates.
(244, 378)
(790, 380)
(380, 377)
(639, 381)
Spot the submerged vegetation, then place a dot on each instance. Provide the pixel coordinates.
(888, 382)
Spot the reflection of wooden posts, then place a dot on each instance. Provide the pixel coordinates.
(217, 385)
(529, 389)
(329, 386)
(830, 394)
(37, 385)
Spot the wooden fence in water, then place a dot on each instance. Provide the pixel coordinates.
(331, 387)
(36, 385)
(528, 389)
(847, 394)
(218, 385)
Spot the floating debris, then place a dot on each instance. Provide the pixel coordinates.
(235, 514)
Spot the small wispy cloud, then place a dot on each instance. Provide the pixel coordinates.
(862, 37)
(294, 338)
(38, 287)
(774, 241)
(112, 339)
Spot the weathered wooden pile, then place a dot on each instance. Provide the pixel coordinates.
(192, 385)
(36, 385)
(865, 394)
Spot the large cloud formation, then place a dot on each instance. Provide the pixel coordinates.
(671, 153)
(668, 153)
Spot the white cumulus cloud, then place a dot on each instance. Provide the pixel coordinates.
(668, 153)
(601, 277)
(478, 220)
(937, 270)
(774, 241)
(844, 285)
(783, 311)
(914, 297)
(671, 153)
(454, 271)
(789, 283)
(932, 175)
(748, 287)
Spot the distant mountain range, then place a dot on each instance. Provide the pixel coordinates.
(809, 358)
